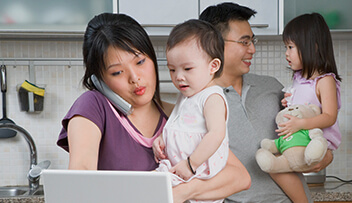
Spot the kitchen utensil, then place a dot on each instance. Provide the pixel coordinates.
(31, 97)
(5, 133)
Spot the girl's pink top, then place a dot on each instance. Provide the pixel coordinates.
(304, 93)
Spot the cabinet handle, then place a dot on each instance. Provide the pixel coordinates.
(260, 25)
(172, 25)
(158, 25)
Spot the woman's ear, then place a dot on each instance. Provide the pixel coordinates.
(214, 65)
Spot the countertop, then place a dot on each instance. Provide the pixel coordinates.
(331, 191)
(36, 199)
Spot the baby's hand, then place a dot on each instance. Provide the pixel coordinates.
(182, 170)
(289, 127)
(158, 149)
(284, 101)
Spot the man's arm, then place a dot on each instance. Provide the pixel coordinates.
(232, 179)
(323, 163)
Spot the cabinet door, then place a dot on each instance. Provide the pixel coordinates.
(52, 16)
(159, 16)
(265, 22)
(337, 14)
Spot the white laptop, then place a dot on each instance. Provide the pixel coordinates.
(82, 186)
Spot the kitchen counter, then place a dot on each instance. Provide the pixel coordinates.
(331, 191)
(36, 199)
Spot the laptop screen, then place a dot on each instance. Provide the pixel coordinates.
(85, 186)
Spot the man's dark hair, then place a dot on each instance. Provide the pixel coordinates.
(221, 14)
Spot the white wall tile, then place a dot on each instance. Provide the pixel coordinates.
(63, 87)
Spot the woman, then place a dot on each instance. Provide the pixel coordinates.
(118, 51)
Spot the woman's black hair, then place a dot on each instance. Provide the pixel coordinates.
(311, 35)
(116, 30)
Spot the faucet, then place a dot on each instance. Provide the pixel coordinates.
(34, 169)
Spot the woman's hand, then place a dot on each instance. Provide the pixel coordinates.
(158, 149)
(289, 127)
(182, 170)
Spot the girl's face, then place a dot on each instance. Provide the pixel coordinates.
(292, 56)
(191, 69)
(131, 76)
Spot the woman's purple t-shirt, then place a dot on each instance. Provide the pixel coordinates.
(118, 150)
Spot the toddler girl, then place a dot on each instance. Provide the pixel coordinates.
(309, 52)
(194, 138)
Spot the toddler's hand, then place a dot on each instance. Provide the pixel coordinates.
(284, 101)
(182, 170)
(158, 149)
(289, 127)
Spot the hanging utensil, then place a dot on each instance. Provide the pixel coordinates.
(5, 133)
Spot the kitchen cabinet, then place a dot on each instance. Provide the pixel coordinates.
(337, 14)
(158, 17)
(265, 22)
(50, 16)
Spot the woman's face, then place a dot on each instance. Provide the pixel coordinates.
(132, 76)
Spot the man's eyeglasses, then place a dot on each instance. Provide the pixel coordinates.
(246, 42)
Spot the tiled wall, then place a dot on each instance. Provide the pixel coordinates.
(63, 86)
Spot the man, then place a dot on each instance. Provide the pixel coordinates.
(253, 101)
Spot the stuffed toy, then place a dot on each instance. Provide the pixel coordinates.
(297, 152)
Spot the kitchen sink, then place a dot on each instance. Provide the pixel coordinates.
(19, 191)
(38, 192)
(12, 191)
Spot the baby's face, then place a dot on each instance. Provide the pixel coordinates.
(190, 67)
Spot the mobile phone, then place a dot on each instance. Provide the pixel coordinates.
(114, 98)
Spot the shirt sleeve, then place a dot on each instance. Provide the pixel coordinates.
(91, 105)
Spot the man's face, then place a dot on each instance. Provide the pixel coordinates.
(238, 56)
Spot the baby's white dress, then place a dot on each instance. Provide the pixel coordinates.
(183, 132)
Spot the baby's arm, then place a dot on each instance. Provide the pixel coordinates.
(158, 144)
(232, 179)
(327, 94)
(158, 149)
(291, 185)
(215, 117)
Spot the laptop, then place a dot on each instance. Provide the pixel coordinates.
(83, 186)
